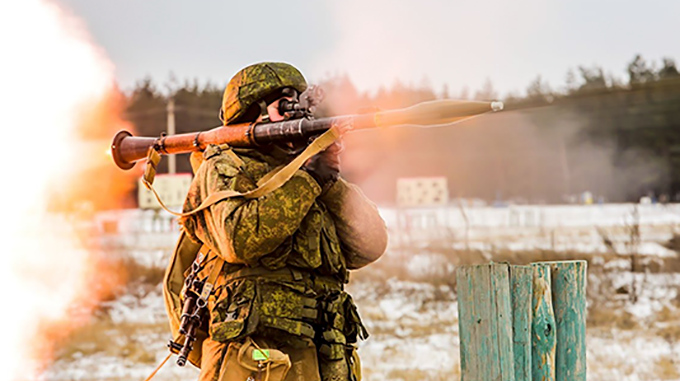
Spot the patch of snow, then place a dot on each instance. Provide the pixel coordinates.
(148, 309)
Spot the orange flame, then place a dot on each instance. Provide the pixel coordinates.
(59, 106)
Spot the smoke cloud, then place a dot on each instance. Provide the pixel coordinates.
(57, 101)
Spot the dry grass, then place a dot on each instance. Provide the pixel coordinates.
(119, 275)
(137, 273)
(670, 332)
(668, 314)
(667, 324)
(413, 331)
(666, 369)
(126, 340)
(668, 265)
(673, 243)
(396, 265)
(418, 375)
(608, 317)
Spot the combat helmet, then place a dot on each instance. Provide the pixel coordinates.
(257, 83)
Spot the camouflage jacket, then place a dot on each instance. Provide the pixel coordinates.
(293, 227)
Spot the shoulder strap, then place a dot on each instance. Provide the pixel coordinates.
(271, 181)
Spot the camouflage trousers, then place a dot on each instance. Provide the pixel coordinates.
(306, 363)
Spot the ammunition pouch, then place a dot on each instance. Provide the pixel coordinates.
(289, 304)
(248, 361)
(229, 316)
(341, 326)
(253, 305)
(249, 306)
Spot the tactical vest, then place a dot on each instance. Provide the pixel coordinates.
(296, 291)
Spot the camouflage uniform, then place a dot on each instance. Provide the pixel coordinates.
(287, 258)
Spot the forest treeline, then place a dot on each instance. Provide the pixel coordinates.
(640, 114)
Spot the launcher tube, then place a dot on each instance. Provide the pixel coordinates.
(127, 149)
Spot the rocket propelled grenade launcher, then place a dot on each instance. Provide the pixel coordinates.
(127, 149)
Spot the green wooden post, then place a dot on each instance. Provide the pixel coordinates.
(521, 278)
(485, 322)
(500, 286)
(543, 326)
(569, 304)
(523, 322)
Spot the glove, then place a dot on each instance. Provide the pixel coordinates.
(324, 167)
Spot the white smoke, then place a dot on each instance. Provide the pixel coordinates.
(50, 73)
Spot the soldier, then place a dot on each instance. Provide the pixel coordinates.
(286, 254)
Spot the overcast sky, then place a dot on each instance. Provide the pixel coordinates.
(440, 42)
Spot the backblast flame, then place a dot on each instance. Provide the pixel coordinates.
(53, 81)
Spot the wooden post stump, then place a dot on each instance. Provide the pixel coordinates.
(569, 304)
(485, 322)
(543, 332)
(521, 282)
(522, 322)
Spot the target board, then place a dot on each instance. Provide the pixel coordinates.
(171, 188)
(422, 191)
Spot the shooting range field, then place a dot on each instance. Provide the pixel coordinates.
(408, 299)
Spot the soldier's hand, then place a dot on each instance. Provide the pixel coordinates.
(324, 167)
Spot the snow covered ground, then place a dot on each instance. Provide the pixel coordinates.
(528, 227)
(407, 300)
(414, 336)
